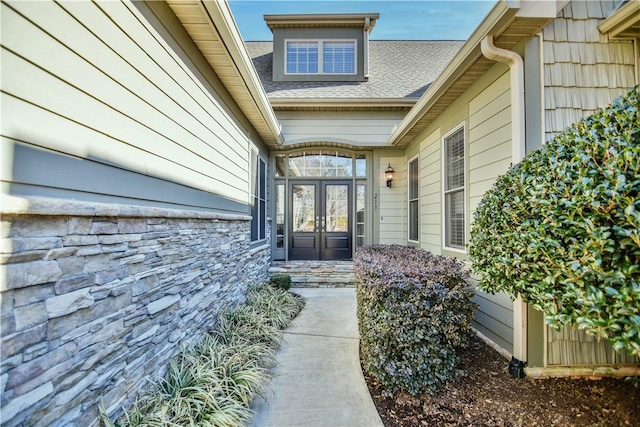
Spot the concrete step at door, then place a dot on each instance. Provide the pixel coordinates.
(316, 274)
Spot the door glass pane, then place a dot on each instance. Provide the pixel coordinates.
(304, 207)
(280, 200)
(360, 214)
(337, 208)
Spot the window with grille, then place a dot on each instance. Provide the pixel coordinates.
(454, 185)
(414, 182)
(258, 190)
(320, 57)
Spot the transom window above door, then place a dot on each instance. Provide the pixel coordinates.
(320, 57)
(323, 163)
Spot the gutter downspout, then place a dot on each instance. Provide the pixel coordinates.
(516, 67)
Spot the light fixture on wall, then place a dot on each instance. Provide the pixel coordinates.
(389, 173)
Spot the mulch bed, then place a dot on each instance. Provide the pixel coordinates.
(488, 396)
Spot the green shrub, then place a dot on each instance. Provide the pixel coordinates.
(282, 281)
(561, 228)
(414, 313)
(213, 382)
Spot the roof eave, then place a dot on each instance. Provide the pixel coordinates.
(237, 72)
(320, 20)
(624, 23)
(503, 14)
(342, 102)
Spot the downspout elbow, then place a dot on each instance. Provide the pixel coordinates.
(494, 53)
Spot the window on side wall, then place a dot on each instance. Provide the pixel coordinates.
(414, 183)
(320, 57)
(454, 189)
(258, 197)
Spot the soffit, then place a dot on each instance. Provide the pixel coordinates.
(624, 23)
(465, 69)
(224, 52)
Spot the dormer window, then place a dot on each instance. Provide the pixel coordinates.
(320, 57)
(321, 48)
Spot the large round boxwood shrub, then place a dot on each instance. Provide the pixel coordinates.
(561, 228)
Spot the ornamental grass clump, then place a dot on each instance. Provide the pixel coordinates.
(560, 229)
(213, 382)
(414, 313)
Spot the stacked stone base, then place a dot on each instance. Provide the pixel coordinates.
(97, 298)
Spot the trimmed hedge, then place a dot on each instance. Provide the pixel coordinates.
(561, 227)
(414, 313)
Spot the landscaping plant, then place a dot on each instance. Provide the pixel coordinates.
(414, 313)
(561, 228)
(282, 281)
(213, 382)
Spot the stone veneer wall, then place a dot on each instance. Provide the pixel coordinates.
(96, 298)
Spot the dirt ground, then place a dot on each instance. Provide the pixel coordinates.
(488, 396)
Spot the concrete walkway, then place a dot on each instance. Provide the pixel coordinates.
(318, 380)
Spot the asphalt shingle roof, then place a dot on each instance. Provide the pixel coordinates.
(397, 69)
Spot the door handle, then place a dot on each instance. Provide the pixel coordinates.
(317, 227)
(323, 225)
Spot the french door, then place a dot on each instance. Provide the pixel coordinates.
(320, 225)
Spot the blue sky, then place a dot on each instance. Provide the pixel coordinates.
(399, 19)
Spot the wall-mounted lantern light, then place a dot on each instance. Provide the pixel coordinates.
(389, 173)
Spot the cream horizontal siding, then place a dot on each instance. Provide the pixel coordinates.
(494, 318)
(356, 128)
(104, 87)
(489, 154)
(393, 202)
(583, 70)
(430, 193)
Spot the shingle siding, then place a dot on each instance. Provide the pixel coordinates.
(582, 70)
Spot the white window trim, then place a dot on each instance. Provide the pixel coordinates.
(254, 152)
(445, 191)
(409, 200)
(320, 57)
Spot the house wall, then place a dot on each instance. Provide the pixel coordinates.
(97, 297)
(391, 217)
(113, 103)
(369, 129)
(489, 156)
(582, 69)
(125, 227)
(484, 110)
